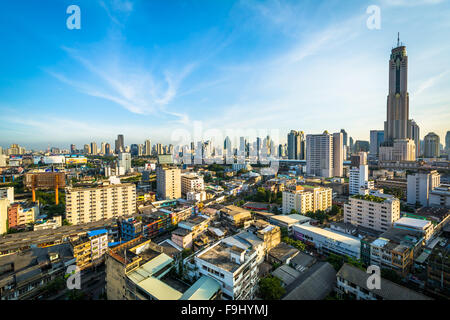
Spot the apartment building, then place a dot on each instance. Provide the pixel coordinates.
(419, 186)
(376, 210)
(352, 282)
(89, 249)
(168, 182)
(7, 193)
(306, 198)
(85, 205)
(236, 216)
(190, 183)
(4, 203)
(440, 197)
(19, 216)
(233, 262)
(328, 241)
(325, 154)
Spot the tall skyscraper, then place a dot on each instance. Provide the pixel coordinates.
(125, 161)
(447, 142)
(148, 148)
(94, 149)
(344, 136)
(120, 146)
(296, 145)
(325, 154)
(431, 145)
(338, 154)
(107, 148)
(414, 134)
(396, 125)
(72, 149)
(103, 149)
(350, 145)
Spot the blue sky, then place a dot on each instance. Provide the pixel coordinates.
(145, 68)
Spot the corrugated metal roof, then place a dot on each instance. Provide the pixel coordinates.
(159, 289)
(203, 289)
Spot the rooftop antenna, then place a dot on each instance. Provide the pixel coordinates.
(398, 40)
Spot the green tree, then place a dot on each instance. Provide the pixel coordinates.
(270, 288)
(295, 243)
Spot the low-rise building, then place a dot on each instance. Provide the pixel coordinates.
(352, 282)
(423, 226)
(394, 249)
(7, 193)
(53, 223)
(440, 196)
(287, 221)
(235, 215)
(327, 241)
(282, 253)
(24, 276)
(234, 264)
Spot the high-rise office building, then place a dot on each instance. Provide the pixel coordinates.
(350, 144)
(447, 143)
(102, 148)
(414, 134)
(73, 149)
(296, 145)
(431, 145)
(87, 149)
(324, 157)
(94, 149)
(344, 137)
(107, 148)
(148, 148)
(376, 138)
(338, 154)
(396, 125)
(125, 161)
(120, 146)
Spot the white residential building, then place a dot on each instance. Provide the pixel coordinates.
(233, 262)
(419, 186)
(125, 161)
(191, 182)
(376, 210)
(328, 241)
(7, 193)
(440, 196)
(324, 156)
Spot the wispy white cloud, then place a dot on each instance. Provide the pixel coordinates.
(430, 82)
(134, 87)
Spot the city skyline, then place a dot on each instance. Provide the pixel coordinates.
(130, 70)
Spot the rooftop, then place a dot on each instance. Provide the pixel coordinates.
(415, 223)
(389, 290)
